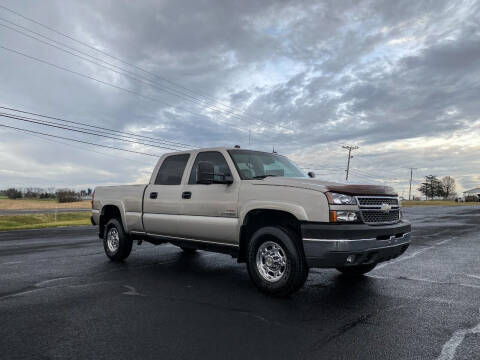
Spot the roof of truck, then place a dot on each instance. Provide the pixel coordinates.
(219, 148)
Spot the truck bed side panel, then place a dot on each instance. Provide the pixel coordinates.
(127, 198)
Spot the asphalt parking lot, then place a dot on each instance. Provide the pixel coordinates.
(60, 298)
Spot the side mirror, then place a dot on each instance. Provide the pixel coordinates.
(311, 174)
(227, 179)
(206, 175)
(205, 172)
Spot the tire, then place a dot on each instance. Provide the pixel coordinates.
(276, 262)
(356, 270)
(188, 250)
(116, 249)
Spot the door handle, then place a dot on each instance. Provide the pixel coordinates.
(153, 195)
(186, 195)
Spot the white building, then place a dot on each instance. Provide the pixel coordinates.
(474, 192)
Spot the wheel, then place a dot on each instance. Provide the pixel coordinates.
(275, 261)
(356, 270)
(188, 250)
(116, 243)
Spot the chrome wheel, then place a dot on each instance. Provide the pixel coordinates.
(271, 261)
(113, 240)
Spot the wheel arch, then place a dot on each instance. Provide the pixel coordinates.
(261, 217)
(108, 212)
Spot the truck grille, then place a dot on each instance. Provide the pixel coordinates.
(375, 217)
(376, 201)
(379, 209)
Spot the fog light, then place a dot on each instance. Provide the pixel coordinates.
(350, 259)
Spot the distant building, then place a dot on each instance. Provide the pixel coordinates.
(474, 193)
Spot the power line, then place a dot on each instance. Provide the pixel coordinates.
(83, 148)
(102, 82)
(124, 72)
(79, 129)
(79, 141)
(371, 178)
(132, 65)
(374, 176)
(163, 141)
(349, 148)
(50, 124)
(99, 51)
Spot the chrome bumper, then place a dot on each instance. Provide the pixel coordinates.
(359, 244)
(334, 252)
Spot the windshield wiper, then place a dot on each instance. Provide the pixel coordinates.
(262, 176)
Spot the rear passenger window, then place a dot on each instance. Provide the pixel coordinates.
(171, 170)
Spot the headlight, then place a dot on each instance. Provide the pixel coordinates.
(340, 199)
(343, 216)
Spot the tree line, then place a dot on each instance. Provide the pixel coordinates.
(61, 195)
(434, 187)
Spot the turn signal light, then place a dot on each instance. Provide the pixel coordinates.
(343, 216)
(333, 216)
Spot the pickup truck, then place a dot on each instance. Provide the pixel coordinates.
(260, 208)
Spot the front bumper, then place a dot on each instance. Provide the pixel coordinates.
(329, 245)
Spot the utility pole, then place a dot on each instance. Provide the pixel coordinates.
(411, 176)
(349, 148)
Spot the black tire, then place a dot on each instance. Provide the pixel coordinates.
(188, 250)
(356, 270)
(120, 252)
(294, 272)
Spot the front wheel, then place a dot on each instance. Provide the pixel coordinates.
(275, 261)
(356, 270)
(116, 243)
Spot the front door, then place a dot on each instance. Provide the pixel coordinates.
(209, 212)
(162, 199)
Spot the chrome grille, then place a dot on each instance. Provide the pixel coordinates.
(372, 209)
(376, 201)
(375, 217)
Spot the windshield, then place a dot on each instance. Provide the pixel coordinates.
(258, 165)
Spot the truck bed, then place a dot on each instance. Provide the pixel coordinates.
(128, 198)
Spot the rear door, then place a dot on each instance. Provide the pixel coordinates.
(209, 212)
(162, 199)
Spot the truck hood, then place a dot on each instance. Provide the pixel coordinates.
(324, 186)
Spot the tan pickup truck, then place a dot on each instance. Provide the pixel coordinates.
(260, 208)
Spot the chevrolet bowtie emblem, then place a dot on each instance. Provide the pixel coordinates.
(386, 208)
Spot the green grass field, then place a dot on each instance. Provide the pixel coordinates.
(438, 203)
(36, 221)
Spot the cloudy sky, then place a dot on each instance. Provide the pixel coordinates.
(399, 79)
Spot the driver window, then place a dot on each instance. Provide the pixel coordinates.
(218, 161)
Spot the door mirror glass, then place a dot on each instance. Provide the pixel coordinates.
(205, 173)
(214, 168)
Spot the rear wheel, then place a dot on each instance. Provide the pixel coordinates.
(116, 243)
(356, 270)
(275, 261)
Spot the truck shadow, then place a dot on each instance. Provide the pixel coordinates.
(218, 277)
